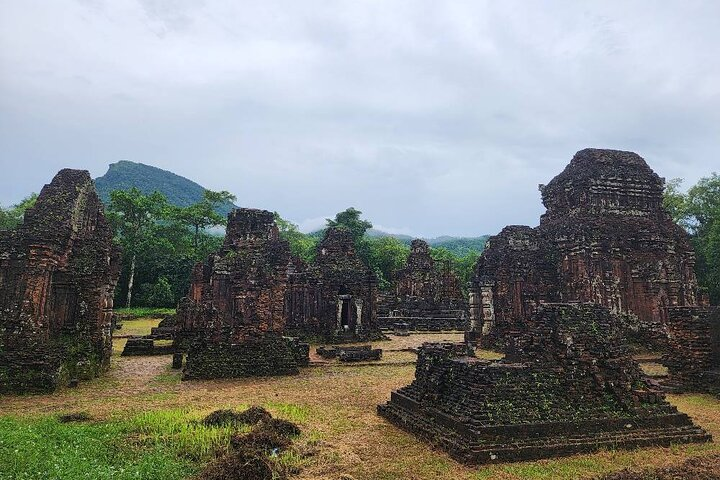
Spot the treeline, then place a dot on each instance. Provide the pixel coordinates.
(698, 212)
(162, 242)
(385, 255)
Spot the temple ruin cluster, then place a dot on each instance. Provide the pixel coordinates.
(604, 273)
(605, 269)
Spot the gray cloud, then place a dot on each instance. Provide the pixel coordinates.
(431, 117)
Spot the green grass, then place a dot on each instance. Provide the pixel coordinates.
(47, 449)
(162, 445)
(180, 432)
(139, 312)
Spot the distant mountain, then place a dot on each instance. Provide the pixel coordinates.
(179, 190)
(457, 245)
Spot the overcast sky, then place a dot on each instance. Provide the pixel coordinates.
(432, 117)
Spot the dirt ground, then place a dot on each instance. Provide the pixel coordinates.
(346, 436)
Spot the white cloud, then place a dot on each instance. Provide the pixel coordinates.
(439, 116)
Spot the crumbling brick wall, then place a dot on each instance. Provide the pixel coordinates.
(58, 272)
(693, 356)
(605, 238)
(424, 295)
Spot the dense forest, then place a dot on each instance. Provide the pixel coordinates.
(162, 240)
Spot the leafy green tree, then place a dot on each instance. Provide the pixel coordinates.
(350, 220)
(134, 215)
(13, 216)
(698, 212)
(301, 245)
(462, 265)
(674, 200)
(159, 294)
(203, 214)
(385, 256)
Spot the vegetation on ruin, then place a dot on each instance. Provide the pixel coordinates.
(12, 216)
(698, 211)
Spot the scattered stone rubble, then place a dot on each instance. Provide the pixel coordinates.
(58, 272)
(567, 385)
(233, 320)
(425, 296)
(605, 238)
(346, 353)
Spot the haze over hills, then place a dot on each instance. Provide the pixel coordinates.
(179, 190)
(182, 192)
(457, 245)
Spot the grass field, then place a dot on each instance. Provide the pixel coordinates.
(144, 425)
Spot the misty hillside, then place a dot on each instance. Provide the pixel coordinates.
(179, 191)
(457, 245)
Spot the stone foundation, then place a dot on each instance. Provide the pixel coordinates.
(567, 386)
(139, 346)
(360, 353)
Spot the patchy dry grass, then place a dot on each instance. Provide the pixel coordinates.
(654, 369)
(335, 407)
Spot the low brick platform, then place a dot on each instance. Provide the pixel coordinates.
(568, 387)
(140, 346)
(259, 357)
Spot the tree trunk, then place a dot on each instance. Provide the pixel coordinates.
(131, 279)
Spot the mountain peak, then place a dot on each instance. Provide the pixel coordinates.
(125, 174)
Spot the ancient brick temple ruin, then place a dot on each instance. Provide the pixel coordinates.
(58, 272)
(424, 296)
(567, 385)
(335, 298)
(605, 238)
(233, 320)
